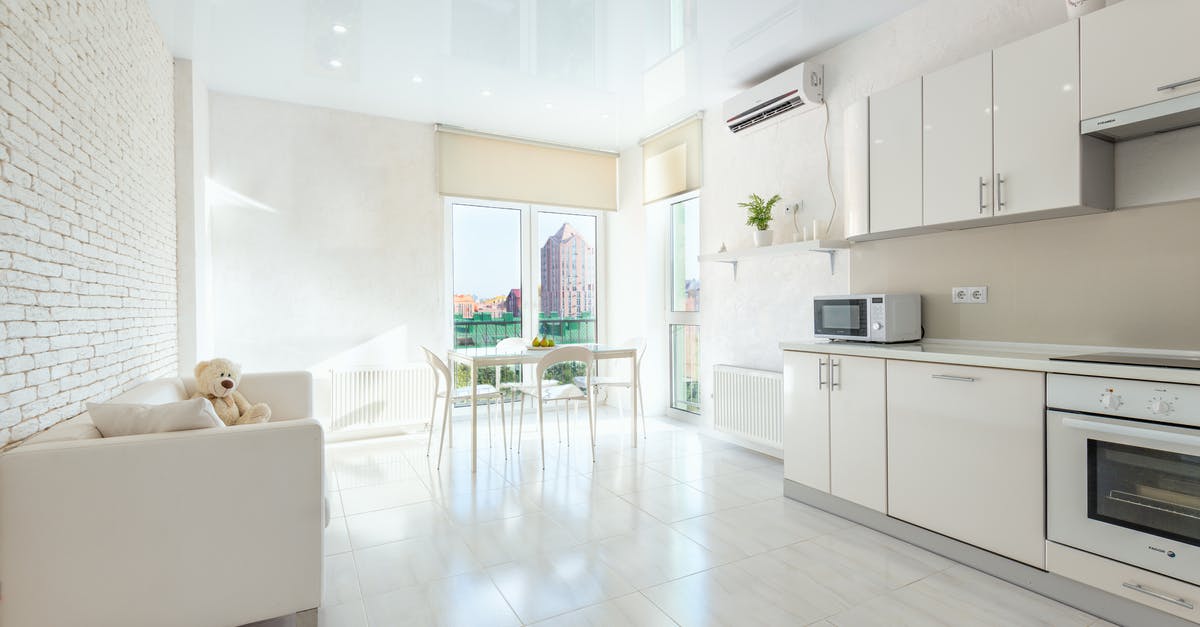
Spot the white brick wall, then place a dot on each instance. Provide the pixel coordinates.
(87, 207)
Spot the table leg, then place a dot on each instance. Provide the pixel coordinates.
(633, 393)
(474, 418)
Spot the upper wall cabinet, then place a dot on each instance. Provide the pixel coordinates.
(1139, 52)
(1041, 161)
(958, 142)
(999, 142)
(895, 158)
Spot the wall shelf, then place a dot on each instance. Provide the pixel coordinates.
(826, 246)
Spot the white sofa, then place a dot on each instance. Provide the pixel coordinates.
(209, 527)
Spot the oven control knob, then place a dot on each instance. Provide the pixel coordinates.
(1159, 407)
(1108, 400)
(877, 325)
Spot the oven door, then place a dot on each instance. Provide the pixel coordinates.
(1126, 490)
(840, 318)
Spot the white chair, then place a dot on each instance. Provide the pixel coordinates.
(517, 344)
(566, 392)
(625, 382)
(443, 388)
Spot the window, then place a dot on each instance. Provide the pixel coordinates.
(487, 274)
(685, 255)
(683, 302)
(567, 271)
(497, 249)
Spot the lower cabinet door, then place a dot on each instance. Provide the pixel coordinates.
(966, 455)
(806, 419)
(858, 431)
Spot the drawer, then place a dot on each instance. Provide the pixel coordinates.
(1111, 576)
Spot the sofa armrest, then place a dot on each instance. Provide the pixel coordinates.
(204, 527)
(290, 394)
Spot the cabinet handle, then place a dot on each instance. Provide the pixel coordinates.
(820, 381)
(1170, 86)
(999, 193)
(835, 383)
(950, 377)
(982, 186)
(1159, 595)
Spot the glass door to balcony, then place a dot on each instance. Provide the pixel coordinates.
(683, 315)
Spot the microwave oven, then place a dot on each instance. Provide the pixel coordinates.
(868, 317)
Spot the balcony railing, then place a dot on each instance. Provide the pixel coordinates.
(485, 332)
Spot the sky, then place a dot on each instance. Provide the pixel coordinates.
(487, 246)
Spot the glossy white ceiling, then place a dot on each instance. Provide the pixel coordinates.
(591, 73)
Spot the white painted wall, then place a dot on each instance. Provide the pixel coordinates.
(743, 320)
(193, 221)
(327, 237)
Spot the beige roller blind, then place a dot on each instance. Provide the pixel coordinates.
(480, 166)
(673, 160)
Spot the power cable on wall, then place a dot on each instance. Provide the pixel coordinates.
(829, 174)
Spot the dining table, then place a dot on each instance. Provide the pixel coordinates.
(476, 359)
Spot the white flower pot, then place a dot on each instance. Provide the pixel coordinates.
(763, 238)
(1076, 8)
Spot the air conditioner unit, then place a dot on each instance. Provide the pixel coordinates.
(796, 89)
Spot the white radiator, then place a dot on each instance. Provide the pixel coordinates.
(748, 404)
(370, 398)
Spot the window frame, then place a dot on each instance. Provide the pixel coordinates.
(530, 260)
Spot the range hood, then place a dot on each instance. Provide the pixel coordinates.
(1156, 117)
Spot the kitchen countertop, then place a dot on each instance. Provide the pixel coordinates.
(1013, 356)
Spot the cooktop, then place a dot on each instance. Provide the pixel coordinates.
(1136, 359)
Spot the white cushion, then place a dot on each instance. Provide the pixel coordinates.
(116, 419)
(78, 428)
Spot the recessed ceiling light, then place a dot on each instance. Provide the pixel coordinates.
(340, 29)
(603, 116)
(549, 105)
(335, 63)
(486, 92)
(417, 78)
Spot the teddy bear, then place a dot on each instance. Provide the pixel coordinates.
(217, 380)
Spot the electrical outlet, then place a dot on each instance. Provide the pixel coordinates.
(959, 294)
(977, 295)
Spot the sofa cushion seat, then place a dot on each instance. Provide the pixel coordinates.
(77, 428)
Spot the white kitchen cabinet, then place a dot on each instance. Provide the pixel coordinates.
(835, 426)
(1042, 163)
(966, 454)
(806, 419)
(958, 141)
(858, 430)
(1133, 50)
(895, 158)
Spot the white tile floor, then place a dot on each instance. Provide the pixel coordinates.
(684, 530)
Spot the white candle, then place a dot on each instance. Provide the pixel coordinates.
(816, 229)
(805, 233)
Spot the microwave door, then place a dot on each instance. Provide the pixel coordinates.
(841, 318)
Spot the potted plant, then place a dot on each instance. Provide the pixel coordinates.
(759, 216)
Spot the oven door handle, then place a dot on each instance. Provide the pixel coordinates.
(1133, 432)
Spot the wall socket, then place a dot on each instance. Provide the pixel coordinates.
(973, 295)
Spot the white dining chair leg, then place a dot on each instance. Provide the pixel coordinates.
(642, 409)
(567, 406)
(489, 423)
(521, 418)
(592, 424)
(541, 431)
(503, 428)
(432, 422)
(445, 423)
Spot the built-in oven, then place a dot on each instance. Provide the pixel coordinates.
(1123, 471)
